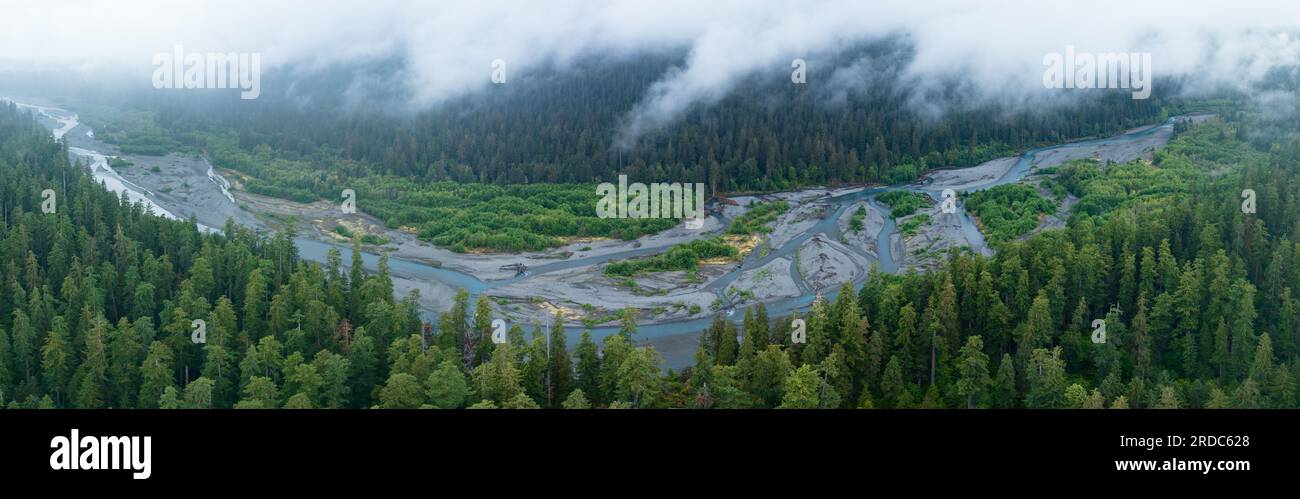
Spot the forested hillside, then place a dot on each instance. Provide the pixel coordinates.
(565, 127)
(1197, 299)
(100, 298)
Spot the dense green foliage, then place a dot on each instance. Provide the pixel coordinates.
(856, 222)
(564, 127)
(1008, 211)
(684, 256)
(912, 225)
(137, 132)
(1197, 296)
(757, 218)
(903, 202)
(560, 132)
(524, 217)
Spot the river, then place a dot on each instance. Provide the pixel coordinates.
(675, 340)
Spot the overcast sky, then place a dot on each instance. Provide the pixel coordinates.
(997, 46)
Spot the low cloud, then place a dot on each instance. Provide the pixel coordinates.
(993, 51)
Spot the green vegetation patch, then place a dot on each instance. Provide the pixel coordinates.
(756, 219)
(1008, 211)
(373, 240)
(914, 224)
(136, 132)
(527, 217)
(1196, 156)
(903, 203)
(684, 256)
(855, 223)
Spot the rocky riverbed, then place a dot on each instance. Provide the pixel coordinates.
(811, 248)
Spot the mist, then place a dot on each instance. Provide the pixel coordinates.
(994, 50)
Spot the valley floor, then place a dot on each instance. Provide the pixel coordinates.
(811, 248)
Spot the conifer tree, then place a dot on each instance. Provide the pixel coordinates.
(772, 368)
(356, 278)
(627, 324)
(535, 370)
(819, 331)
(402, 391)
(25, 351)
(728, 347)
(638, 378)
(587, 368)
(57, 361)
(749, 336)
(577, 400)
(447, 386)
(364, 367)
(560, 368)
(481, 336)
(1004, 384)
(853, 344)
(891, 383)
(763, 331)
(498, 380)
(1168, 399)
(1141, 344)
(93, 372)
(1046, 377)
(333, 369)
(198, 394)
(255, 305)
(156, 375)
(973, 370)
(904, 345)
(615, 352)
(801, 388)
(6, 364)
